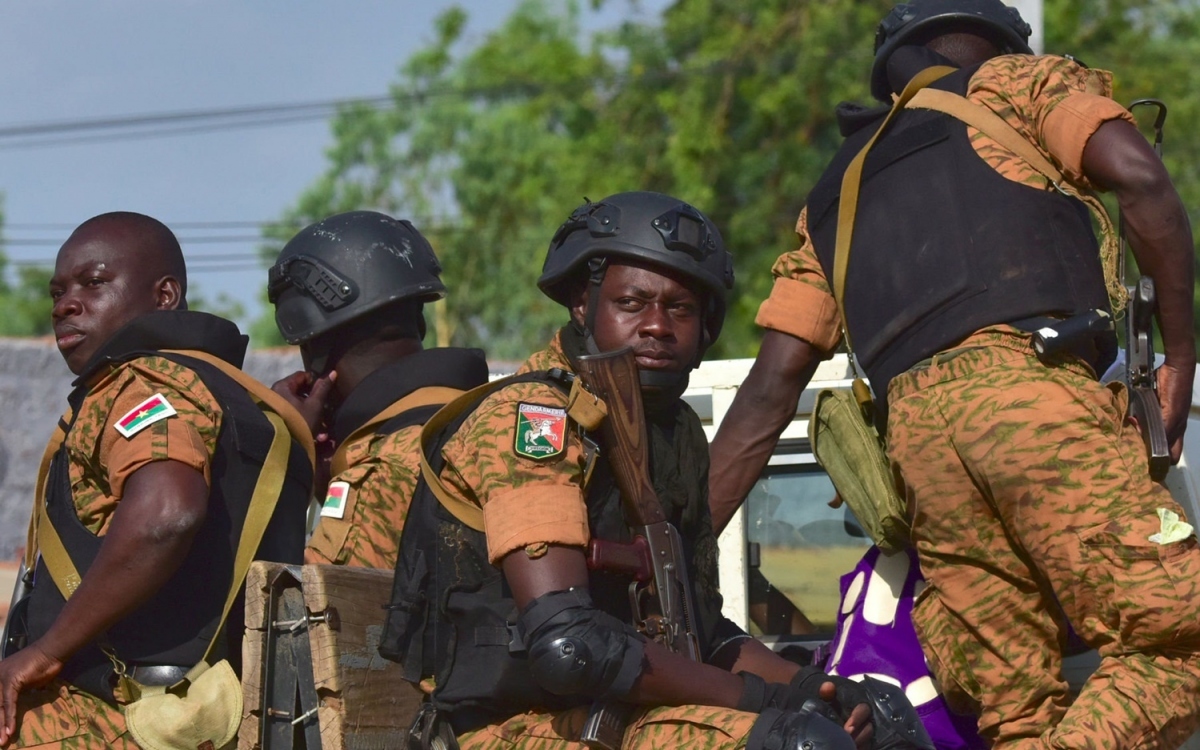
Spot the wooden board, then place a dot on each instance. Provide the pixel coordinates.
(364, 702)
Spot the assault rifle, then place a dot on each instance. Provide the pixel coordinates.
(660, 594)
(1144, 405)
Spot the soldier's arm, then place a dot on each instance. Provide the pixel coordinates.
(666, 678)
(163, 506)
(764, 405)
(1118, 158)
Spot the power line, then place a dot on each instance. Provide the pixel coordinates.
(197, 121)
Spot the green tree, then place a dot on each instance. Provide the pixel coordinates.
(724, 103)
(24, 300)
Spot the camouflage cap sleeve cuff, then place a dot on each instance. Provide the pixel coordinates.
(801, 310)
(550, 514)
(1070, 124)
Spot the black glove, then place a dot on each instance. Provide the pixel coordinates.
(847, 693)
(758, 695)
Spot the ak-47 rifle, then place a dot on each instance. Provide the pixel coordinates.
(660, 594)
(1144, 405)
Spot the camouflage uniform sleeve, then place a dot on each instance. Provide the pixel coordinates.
(801, 303)
(1054, 102)
(363, 529)
(528, 502)
(188, 436)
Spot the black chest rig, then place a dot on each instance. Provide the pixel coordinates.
(452, 616)
(944, 245)
(175, 626)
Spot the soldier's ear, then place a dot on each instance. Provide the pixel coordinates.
(169, 293)
(579, 304)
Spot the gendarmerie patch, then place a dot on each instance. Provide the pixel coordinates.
(154, 409)
(541, 431)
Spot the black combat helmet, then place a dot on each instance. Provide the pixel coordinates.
(649, 227)
(346, 266)
(1002, 24)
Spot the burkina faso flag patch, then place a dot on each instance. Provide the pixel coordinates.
(154, 409)
(541, 431)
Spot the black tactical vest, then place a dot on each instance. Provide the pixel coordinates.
(944, 245)
(453, 617)
(175, 626)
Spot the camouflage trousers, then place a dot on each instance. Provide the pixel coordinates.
(693, 727)
(1031, 499)
(60, 716)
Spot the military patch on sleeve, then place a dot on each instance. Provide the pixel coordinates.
(335, 500)
(154, 409)
(541, 431)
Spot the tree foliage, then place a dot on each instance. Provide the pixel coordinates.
(726, 104)
(24, 296)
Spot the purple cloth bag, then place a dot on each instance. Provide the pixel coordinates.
(875, 636)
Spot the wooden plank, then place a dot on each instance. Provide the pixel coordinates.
(365, 702)
(258, 589)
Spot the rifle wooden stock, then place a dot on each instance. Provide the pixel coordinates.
(655, 558)
(613, 377)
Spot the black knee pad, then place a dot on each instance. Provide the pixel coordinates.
(898, 726)
(805, 729)
(575, 649)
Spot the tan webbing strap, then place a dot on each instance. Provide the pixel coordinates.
(993, 126)
(852, 181)
(990, 124)
(258, 515)
(422, 397)
(469, 514)
(43, 538)
(587, 412)
(261, 393)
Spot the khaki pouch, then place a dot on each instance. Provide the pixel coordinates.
(201, 712)
(850, 450)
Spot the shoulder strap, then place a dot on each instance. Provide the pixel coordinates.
(852, 181)
(582, 407)
(262, 394)
(993, 126)
(42, 536)
(431, 396)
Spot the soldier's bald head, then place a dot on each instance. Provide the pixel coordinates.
(148, 245)
(112, 269)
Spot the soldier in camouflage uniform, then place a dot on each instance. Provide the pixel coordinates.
(1027, 486)
(142, 490)
(368, 384)
(497, 562)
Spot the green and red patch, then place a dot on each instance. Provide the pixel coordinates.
(154, 409)
(335, 500)
(541, 431)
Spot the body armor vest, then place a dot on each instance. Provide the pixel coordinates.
(453, 617)
(944, 245)
(175, 625)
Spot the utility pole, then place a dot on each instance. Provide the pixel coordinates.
(1031, 11)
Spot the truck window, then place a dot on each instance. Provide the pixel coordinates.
(799, 547)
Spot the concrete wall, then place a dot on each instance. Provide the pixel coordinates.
(34, 383)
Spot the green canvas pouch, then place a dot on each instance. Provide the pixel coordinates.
(849, 449)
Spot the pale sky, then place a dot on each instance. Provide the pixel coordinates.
(66, 60)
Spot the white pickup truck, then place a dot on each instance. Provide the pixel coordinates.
(802, 546)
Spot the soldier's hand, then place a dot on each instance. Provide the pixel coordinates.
(1175, 395)
(29, 668)
(308, 394)
(844, 701)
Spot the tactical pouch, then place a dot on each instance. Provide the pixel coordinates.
(203, 711)
(850, 450)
